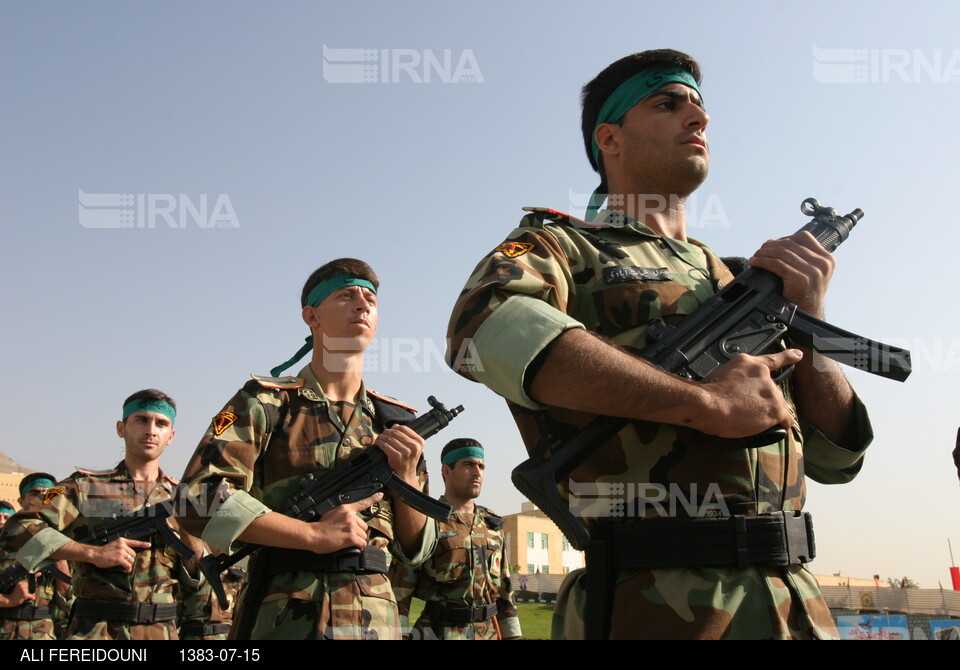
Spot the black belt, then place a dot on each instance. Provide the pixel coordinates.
(458, 614)
(25, 613)
(203, 630)
(780, 538)
(776, 539)
(280, 561)
(136, 613)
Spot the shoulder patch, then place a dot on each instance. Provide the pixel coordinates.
(53, 493)
(561, 218)
(392, 401)
(222, 421)
(514, 249)
(280, 382)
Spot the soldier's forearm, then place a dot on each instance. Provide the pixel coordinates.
(825, 398)
(613, 382)
(75, 551)
(408, 526)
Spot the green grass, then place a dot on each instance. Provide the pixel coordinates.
(534, 618)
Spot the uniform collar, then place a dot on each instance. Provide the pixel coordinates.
(121, 472)
(615, 219)
(312, 391)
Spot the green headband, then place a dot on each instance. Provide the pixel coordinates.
(318, 294)
(150, 405)
(337, 280)
(455, 455)
(628, 94)
(35, 483)
(4, 507)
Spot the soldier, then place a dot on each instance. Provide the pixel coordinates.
(466, 583)
(127, 589)
(325, 579)
(556, 314)
(6, 511)
(43, 615)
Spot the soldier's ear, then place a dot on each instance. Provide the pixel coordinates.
(309, 316)
(120, 429)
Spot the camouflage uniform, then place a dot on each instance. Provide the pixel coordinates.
(270, 435)
(46, 597)
(467, 570)
(202, 618)
(71, 511)
(612, 277)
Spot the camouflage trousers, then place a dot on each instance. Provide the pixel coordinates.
(323, 606)
(42, 629)
(425, 630)
(703, 603)
(91, 629)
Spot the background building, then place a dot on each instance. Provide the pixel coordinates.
(11, 473)
(536, 545)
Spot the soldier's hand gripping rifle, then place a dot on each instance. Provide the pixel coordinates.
(13, 576)
(360, 476)
(144, 524)
(748, 316)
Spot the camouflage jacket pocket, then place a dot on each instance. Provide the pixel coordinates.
(625, 306)
(452, 561)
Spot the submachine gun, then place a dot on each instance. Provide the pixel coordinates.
(360, 476)
(144, 524)
(748, 316)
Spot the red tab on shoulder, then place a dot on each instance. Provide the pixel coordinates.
(392, 401)
(280, 382)
(562, 219)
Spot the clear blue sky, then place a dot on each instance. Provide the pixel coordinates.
(853, 103)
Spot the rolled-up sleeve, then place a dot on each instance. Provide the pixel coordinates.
(826, 462)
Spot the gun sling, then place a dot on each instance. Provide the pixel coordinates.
(280, 561)
(440, 612)
(24, 613)
(136, 613)
(776, 539)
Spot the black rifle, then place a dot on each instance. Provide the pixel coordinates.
(749, 316)
(143, 525)
(10, 578)
(360, 476)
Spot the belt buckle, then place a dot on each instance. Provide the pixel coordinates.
(798, 534)
(740, 537)
(146, 613)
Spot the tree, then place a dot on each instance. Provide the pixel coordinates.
(904, 583)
